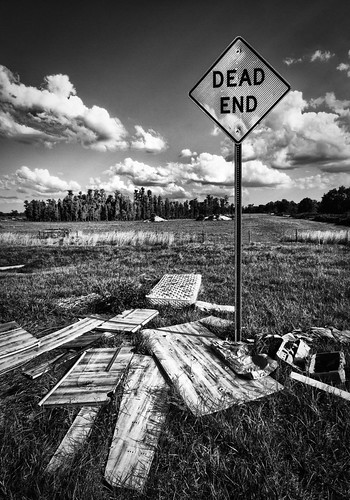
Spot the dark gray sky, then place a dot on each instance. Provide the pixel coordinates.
(95, 94)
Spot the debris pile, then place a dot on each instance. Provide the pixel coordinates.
(209, 373)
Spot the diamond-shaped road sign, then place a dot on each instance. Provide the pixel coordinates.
(239, 89)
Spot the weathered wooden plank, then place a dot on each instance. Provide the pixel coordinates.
(204, 381)
(49, 342)
(129, 321)
(86, 340)
(14, 339)
(92, 379)
(208, 306)
(141, 415)
(320, 385)
(61, 380)
(77, 435)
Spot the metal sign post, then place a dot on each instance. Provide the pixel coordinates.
(237, 92)
(238, 240)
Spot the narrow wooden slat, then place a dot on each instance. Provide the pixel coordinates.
(320, 385)
(89, 383)
(208, 306)
(14, 339)
(49, 342)
(204, 381)
(77, 435)
(141, 415)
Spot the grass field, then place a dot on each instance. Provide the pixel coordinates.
(292, 445)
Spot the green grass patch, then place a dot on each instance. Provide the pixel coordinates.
(291, 445)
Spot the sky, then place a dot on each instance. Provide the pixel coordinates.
(95, 95)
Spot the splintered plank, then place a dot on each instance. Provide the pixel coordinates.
(14, 339)
(49, 342)
(77, 435)
(129, 321)
(91, 379)
(142, 412)
(204, 381)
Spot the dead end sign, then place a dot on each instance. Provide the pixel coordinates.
(239, 89)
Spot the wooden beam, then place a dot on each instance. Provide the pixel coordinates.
(77, 435)
(320, 385)
(141, 415)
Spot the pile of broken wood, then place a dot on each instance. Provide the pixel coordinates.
(210, 374)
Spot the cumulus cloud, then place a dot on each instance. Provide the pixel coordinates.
(292, 136)
(318, 55)
(344, 67)
(206, 173)
(186, 153)
(149, 141)
(54, 113)
(41, 181)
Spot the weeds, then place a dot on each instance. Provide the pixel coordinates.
(292, 445)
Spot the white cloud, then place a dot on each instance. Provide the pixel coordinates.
(205, 174)
(291, 60)
(41, 181)
(149, 141)
(292, 137)
(318, 55)
(344, 67)
(187, 153)
(54, 114)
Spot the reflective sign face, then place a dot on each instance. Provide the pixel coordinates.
(239, 89)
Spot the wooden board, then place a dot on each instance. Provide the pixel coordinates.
(90, 381)
(49, 342)
(208, 306)
(77, 435)
(86, 340)
(320, 385)
(14, 339)
(129, 321)
(205, 382)
(141, 415)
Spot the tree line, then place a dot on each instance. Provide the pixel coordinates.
(96, 205)
(336, 201)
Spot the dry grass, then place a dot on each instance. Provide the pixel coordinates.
(290, 446)
(319, 237)
(120, 238)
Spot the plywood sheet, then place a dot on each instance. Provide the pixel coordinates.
(205, 382)
(14, 339)
(49, 342)
(129, 321)
(77, 435)
(141, 415)
(91, 379)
